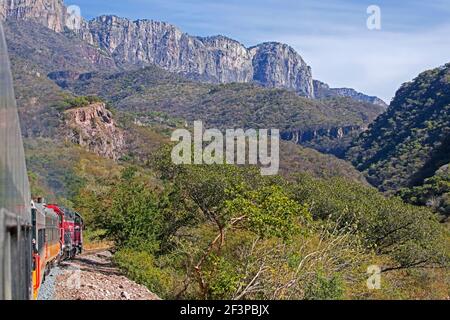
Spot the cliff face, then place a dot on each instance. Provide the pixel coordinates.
(333, 140)
(143, 42)
(300, 137)
(50, 13)
(94, 128)
(212, 59)
(215, 59)
(232, 60)
(277, 65)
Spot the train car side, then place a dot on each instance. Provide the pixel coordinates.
(46, 244)
(15, 211)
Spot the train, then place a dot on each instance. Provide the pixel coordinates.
(57, 235)
(71, 231)
(29, 250)
(34, 236)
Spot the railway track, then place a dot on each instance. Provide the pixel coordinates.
(93, 276)
(94, 251)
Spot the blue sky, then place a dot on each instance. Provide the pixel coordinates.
(331, 35)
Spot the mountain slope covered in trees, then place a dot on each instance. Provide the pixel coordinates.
(222, 106)
(410, 143)
(311, 123)
(74, 65)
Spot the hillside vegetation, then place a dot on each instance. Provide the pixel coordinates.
(222, 106)
(406, 146)
(226, 232)
(53, 51)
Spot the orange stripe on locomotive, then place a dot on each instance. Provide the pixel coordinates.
(46, 243)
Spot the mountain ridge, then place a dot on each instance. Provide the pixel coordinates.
(217, 59)
(323, 90)
(214, 59)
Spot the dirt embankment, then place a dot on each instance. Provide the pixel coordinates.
(93, 276)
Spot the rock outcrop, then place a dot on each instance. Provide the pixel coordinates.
(50, 13)
(143, 42)
(305, 136)
(215, 59)
(94, 128)
(277, 65)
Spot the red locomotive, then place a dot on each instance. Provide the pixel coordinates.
(71, 227)
(57, 235)
(46, 244)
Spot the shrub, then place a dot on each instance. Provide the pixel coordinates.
(140, 266)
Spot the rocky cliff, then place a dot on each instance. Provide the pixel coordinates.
(305, 136)
(94, 128)
(50, 13)
(333, 140)
(215, 59)
(277, 65)
(146, 42)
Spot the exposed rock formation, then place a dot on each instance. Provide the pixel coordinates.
(50, 13)
(215, 59)
(146, 42)
(94, 128)
(233, 60)
(277, 65)
(301, 137)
